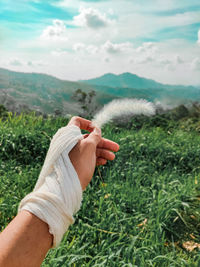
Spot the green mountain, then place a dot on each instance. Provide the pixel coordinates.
(45, 93)
(41, 92)
(131, 85)
(124, 80)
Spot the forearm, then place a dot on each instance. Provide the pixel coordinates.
(46, 213)
(25, 241)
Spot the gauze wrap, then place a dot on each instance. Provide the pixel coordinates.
(57, 194)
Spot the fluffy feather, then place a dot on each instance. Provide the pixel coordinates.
(121, 107)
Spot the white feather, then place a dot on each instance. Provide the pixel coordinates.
(119, 107)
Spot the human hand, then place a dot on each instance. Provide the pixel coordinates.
(68, 168)
(91, 151)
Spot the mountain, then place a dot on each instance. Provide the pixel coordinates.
(46, 93)
(41, 92)
(131, 85)
(129, 80)
(124, 80)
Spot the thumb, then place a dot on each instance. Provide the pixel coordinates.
(95, 136)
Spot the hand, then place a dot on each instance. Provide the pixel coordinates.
(91, 151)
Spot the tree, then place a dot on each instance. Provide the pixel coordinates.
(86, 101)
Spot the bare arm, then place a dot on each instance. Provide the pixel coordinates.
(26, 240)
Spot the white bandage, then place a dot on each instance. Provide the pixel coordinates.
(57, 194)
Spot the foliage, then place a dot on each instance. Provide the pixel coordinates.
(86, 101)
(3, 112)
(48, 94)
(139, 210)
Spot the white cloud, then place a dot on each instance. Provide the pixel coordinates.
(106, 60)
(59, 53)
(92, 49)
(108, 47)
(164, 61)
(18, 63)
(146, 47)
(144, 60)
(57, 31)
(146, 53)
(91, 18)
(112, 48)
(38, 63)
(196, 64)
(101, 41)
(182, 19)
(15, 62)
(178, 59)
(78, 47)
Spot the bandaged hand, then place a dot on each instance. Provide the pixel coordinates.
(67, 170)
(91, 151)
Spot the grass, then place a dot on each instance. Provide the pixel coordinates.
(138, 210)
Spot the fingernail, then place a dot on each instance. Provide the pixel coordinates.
(97, 131)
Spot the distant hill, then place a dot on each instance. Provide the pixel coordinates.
(46, 93)
(124, 80)
(41, 92)
(131, 85)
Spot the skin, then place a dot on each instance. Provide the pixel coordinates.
(26, 240)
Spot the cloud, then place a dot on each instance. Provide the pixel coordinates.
(108, 47)
(164, 61)
(59, 53)
(178, 60)
(147, 48)
(195, 65)
(38, 63)
(112, 48)
(181, 19)
(57, 31)
(106, 60)
(91, 18)
(90, 49)
(78, 47)
(15, 62)
(144, 60)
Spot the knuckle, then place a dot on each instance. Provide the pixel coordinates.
(91, 143)
(74, 118)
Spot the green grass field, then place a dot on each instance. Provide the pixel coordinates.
(139, 210)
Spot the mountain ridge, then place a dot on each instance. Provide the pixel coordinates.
(117, 80)
(47, 93)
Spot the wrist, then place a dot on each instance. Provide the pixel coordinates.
(57, 195)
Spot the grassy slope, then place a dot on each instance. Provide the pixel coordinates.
(143, 210)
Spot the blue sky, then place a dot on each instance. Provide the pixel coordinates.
(83, 39)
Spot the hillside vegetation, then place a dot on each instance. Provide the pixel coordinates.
(143, 209)
(45, 93)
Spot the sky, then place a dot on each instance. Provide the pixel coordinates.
(74, 40)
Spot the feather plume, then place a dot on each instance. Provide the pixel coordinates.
(121, 107)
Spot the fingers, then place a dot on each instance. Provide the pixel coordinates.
(101, 161)
(94, 137)
(104, 154)
(85, 135)
(87, 125)
(108, 144)
(82, 123)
